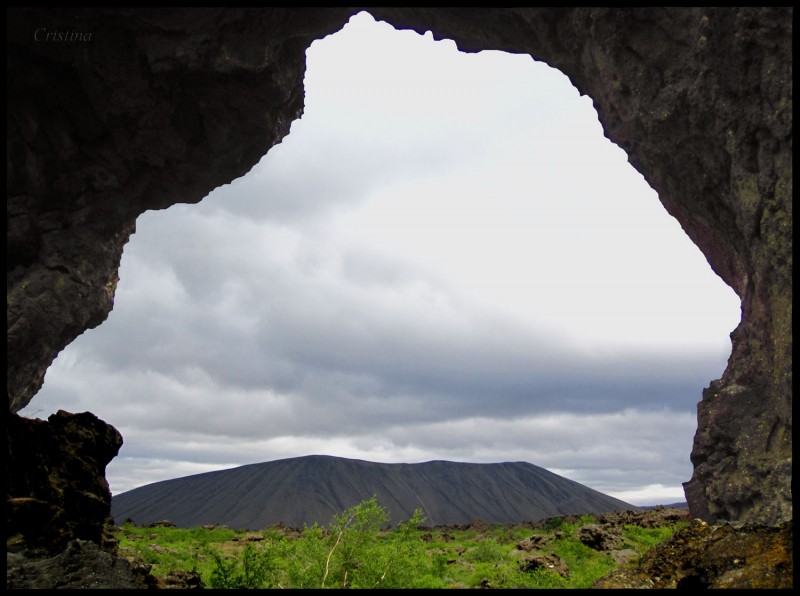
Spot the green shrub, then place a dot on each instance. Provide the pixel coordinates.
(255, 569)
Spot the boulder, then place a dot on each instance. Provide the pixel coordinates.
(536, 541)
(597, 537)
(550, 562)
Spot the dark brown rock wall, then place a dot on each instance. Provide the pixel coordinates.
(157, 107)
(163, 105)
(55, 480)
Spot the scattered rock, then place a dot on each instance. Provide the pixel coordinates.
(551, 562)
(601, 538)
(534, 542)
(253, 537)
(162, 550)
(648, 518)
(164, 523)
(189, 580)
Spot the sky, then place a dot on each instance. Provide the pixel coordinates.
(445, 259)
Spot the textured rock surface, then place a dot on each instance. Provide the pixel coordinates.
(161, 106)
(82, 565)
(599, 537)
(55, 481)
(722, 556)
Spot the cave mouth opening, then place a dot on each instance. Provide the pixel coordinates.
(407, 270)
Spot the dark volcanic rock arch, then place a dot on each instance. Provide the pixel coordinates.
(120, 111)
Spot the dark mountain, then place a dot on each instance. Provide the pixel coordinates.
(304, 490)
(678, 505)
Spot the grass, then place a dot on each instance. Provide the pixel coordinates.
(171, 549)
(355, 552)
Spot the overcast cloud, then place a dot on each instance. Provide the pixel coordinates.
(445, 259)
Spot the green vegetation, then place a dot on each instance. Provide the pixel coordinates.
(357, 550)
(170, 549)
(649, 537)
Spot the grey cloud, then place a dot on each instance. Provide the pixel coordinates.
(616, 452)
(335, 341)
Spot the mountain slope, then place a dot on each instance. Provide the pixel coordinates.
(305, 490)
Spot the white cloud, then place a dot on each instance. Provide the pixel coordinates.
(652, 494)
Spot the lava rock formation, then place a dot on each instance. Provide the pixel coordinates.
(112, 112)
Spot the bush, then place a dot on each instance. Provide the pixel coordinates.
(348, 555)
(257, 568)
